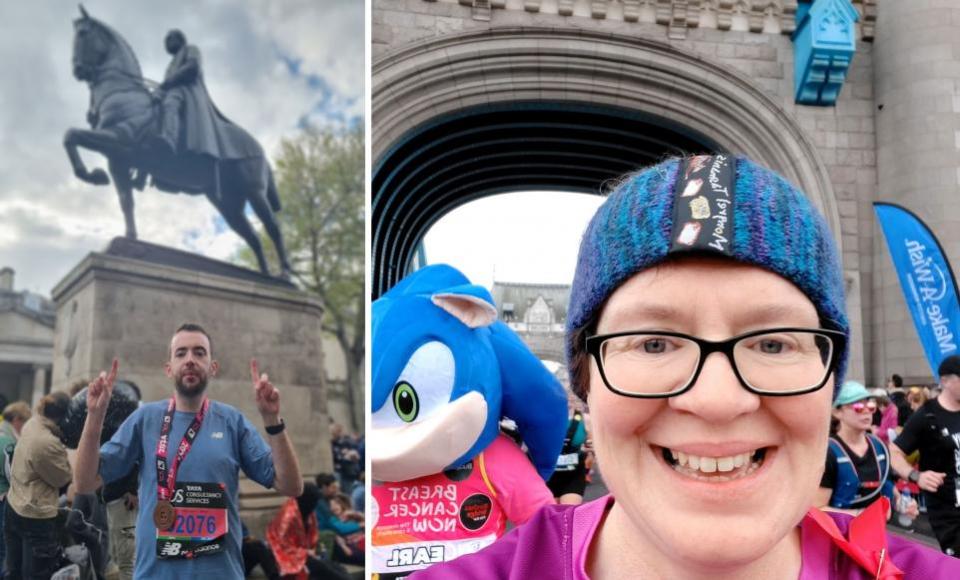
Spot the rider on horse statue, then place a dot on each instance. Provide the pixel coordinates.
(174, 134)
(191, 123)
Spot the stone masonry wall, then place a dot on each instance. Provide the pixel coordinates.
(918, 143)
(844, 135)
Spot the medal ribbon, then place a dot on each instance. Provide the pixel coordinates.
(867, 542)
(166, 479)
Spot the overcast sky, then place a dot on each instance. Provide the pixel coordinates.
(516, 237)
(269, 65)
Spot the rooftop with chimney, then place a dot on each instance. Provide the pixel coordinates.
(526, 306)
(24, 302)
(26, 342)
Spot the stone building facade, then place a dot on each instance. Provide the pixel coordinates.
(537, 313)
(693, 74)
(26, 342)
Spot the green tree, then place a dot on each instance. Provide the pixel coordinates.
(320, 179)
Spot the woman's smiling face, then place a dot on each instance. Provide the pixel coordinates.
(687, 512)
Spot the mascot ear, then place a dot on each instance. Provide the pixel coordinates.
(471, 305)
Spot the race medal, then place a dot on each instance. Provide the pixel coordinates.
(163, 515)
(191, 519)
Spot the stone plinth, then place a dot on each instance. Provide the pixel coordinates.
(126, 303)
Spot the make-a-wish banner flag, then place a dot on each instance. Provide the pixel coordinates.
(926, 278)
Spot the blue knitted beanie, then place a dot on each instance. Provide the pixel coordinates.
(755, 217)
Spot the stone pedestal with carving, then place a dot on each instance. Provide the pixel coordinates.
(126, 303)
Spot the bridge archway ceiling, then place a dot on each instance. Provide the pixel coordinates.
(479, 113)
(498, 149)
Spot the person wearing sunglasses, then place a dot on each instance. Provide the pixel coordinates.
(857, 471)
(707, 332)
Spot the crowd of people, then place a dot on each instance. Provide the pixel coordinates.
(902, 444)
(311, 536)
(348, 463)
(35, 469)
(152, 489)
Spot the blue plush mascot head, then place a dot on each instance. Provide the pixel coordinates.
(445, 371)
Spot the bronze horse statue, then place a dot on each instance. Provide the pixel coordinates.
(125, 119)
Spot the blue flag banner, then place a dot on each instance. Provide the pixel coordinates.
(926, 278)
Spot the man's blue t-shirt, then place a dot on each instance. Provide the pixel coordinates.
(226, 443)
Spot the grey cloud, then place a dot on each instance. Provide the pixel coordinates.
(48, 219)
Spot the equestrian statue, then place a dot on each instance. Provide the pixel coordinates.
(172, 134)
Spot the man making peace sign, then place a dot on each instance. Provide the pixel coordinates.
(190, 450)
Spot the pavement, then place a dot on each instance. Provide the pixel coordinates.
(257, 573)
(920, 531)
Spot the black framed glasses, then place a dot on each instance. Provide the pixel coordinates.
(775, 362)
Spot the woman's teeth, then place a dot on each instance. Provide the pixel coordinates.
(733, 466)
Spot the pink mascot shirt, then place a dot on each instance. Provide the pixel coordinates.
(443, 516)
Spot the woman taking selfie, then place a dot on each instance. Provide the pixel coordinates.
(707, 333)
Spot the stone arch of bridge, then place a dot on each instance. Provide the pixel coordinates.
(472, 114)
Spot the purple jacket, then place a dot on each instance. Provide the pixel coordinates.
(553, 544)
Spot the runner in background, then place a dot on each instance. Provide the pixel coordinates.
(934, 431)
(857, 471)
(569, 479)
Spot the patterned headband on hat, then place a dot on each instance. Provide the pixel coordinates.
(722, 205)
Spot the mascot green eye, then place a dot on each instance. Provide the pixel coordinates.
(406, 402)
(421, 389)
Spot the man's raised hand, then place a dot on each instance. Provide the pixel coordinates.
(100, 389)
(267, 396)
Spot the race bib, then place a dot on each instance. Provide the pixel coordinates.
(200, 523)
(568, 459)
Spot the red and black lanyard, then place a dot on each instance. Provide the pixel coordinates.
(166, 479)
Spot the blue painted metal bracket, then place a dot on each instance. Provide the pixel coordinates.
(823, 46)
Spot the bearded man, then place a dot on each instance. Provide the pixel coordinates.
(191, 450)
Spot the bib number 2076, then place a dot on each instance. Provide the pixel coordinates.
(198, 524)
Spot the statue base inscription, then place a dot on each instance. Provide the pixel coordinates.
(126, 303)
